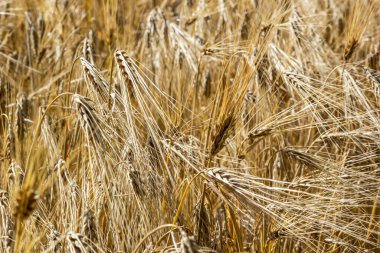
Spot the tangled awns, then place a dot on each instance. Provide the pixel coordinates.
(189, 126)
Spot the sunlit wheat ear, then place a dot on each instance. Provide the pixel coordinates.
(156, 28)
(297, 26)
(141, 91)
(254, 137)
(97, 84)
(93, 125)
(33, 38)
(138, 84)
(89, 119)
(186, 44)
(127, 71)
(358, 21)
(88, 44)
(305, 158)
(15, 173)
(355, 98)
(297, 215)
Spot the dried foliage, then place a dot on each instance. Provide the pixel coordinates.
(189, 126)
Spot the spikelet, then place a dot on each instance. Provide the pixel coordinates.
(258, 133)
(304, 158)
(156, 28)
(33, 38)
(224, 130)
(136, 181)
(15, 172)
(10, 148)
(88, 47)
(89, 119)
(126, 68)
(97, 84)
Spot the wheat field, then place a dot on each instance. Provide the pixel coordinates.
(189, 126)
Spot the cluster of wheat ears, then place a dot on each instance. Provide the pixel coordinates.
(189, 126)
